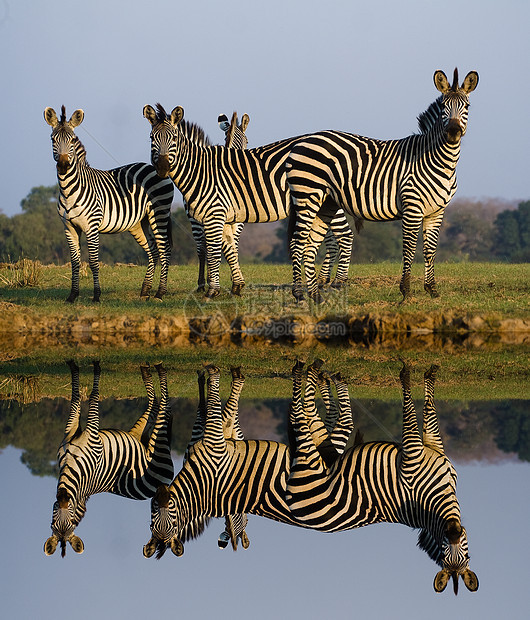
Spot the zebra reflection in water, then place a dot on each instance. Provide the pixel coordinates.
(131, 463)
(226, 476)
(413, 483)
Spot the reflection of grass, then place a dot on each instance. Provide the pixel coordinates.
(464, 375)
(467, 287)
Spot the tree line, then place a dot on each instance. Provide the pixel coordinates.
(473, 230)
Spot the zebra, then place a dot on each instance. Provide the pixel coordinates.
(221, 186)
(235, 137)
(413, 483)
(235, 524)
(412, 179)
(222, 475)
(93, 201)
(132, 464)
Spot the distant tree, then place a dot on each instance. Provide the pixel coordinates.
(37, 232)
(512, 234)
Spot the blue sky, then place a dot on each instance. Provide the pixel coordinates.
(295, 66)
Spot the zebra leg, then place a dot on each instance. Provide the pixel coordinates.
(343, 428)
(160, 468)
(412, 445)
(231, 233)
(214, 438)
(92, 239)
(197, 231)
(431, 431)
(213, 232)
(317, 234)
(332, 250)
(343, 235)
(431, 229)
(231, 427)
(147, 242)
(72, 424)
(72, 237)
(162, 230)
(410, 228)
(92, 426)
(141, 427)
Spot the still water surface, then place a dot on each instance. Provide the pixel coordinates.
(287, 571)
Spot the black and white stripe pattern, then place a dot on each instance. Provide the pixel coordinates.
(235, 138)
(412, 179)
(223, 186)
(225, 476)
(413, 483)
(132, 463)
(93, 201)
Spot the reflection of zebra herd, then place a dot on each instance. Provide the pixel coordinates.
(315, 482)
(313, 179)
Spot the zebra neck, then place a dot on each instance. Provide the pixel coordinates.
(191, 167)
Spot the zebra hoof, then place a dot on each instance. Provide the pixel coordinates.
(211, 294)
(317, 298)
(298, 294)
(237, 288)
(322, 283)
(338, 284)
(431, 289)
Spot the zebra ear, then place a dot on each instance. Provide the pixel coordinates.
(50, 545)
(244, 122)
(150, 114)
(50, 117)
(77, 544)
(441, 580)
(76, 118)
(177, 547)
(177, 114)
(470, 82)
(441, 82)
(470, 580)
(150, 548)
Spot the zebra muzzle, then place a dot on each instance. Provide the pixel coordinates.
(62, 164)
(454, 131)
(162, 166)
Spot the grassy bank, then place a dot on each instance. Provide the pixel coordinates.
(470, 288)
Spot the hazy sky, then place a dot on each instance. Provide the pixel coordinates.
(288, 572)
(295, 66)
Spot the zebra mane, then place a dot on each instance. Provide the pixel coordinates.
(427, 119)
(194, 133)
(427, 542)
(161, 114)
(63, 114)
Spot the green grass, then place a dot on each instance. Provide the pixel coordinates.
(469, 288)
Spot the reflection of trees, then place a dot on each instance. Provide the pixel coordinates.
(472, 430)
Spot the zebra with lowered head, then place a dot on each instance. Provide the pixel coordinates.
(411, 179)
(130, 463)
(132, 197)
(221, 186)
(413, 484)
